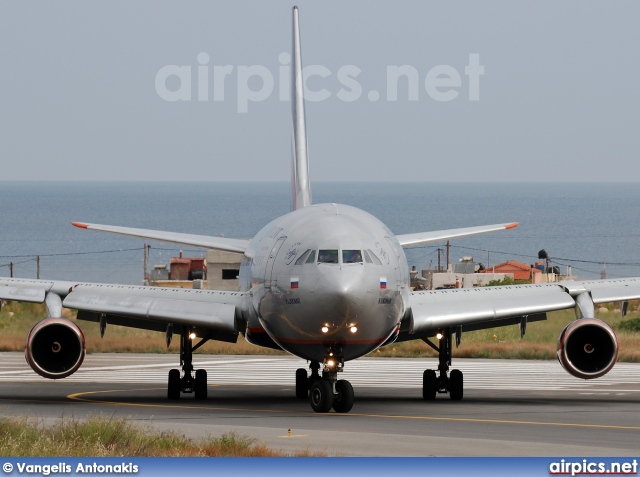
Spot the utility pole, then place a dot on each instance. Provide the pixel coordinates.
(38, 267)
(11, 269)
(146, 257)
(448, 248)
(439, 267)
(488, 262)
(144, 264)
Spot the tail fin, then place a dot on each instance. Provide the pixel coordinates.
(300, 183)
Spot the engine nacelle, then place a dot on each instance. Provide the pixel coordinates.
(55, 348)
(588, 348)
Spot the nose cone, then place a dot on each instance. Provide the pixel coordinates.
(335, 306)
(342, 286)
(345, 305)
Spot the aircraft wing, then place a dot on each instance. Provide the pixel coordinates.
(488, 307)
(411, 240)
(218, 243)
(214, 313)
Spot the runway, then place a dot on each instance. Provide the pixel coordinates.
(510, 408)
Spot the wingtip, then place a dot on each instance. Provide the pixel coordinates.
(512, 226)
(80, 225)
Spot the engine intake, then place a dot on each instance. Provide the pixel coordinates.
(588, 348)
(55, 348)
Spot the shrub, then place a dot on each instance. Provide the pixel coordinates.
(632, 324)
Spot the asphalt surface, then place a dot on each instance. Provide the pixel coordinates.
(510, 408)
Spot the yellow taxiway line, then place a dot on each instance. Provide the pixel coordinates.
(80, 397)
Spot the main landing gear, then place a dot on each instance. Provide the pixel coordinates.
(190, 382)
(452, 384)
(327, 391)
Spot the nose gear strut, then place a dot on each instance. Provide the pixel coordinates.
(327, 391)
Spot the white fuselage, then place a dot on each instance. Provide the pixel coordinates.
(325, 276)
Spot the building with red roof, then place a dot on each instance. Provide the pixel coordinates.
(520, 271)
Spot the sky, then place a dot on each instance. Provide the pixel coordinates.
(97, 91)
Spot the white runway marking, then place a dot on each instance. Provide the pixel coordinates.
(367, 372)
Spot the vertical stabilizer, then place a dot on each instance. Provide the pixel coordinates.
(301, 185)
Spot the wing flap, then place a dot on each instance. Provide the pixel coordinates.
(411, 240)
(217, 243)
(203, 308)
(210, 315)
(480, 325)
(443, 308)
(209, 309)
(152, 325)
(605, 291)
(617, 294)
(22, 293)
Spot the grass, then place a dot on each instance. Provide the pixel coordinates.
(632, 324)
(16, 319)
(111, 437)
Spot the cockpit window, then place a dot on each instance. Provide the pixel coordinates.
(303, 257)
(312, 257)
(328, 256)
(367, 258)
(375, 259)
(351, 256)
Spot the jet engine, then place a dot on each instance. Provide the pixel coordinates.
(55, 348)
(587, 348)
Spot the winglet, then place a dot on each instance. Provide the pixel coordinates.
(80, 225)
(301, 185)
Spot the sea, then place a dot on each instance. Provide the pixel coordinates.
(593, 228)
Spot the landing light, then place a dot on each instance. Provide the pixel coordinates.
(331, 363)
(325, 329)
(354, 329)
(439, 335)
(192, 336)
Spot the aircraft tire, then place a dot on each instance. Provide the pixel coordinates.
(302, 384)
(344, 398)
(321, 396)
(173, 387)
(456, 385)
(200, 387)
(429, 385)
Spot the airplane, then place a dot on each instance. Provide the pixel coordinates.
(328, 283)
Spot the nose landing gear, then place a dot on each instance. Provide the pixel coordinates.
(190, 382)
(452, 384)
(328, 391)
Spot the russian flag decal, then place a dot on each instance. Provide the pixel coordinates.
(294, 282)
(383, 283)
